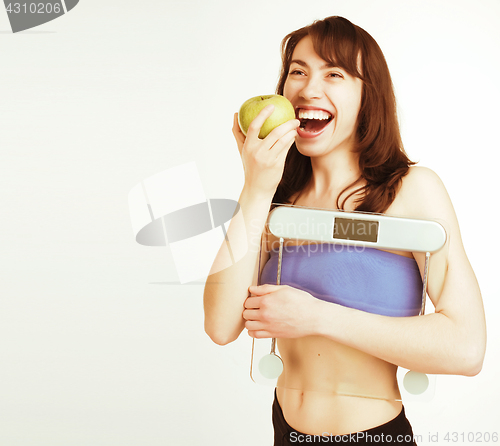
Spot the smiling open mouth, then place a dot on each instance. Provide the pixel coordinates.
(313, 121)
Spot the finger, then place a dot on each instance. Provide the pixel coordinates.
(251, 315)
(280, 131)
(260, 290)
(256, 124)
(254, 325)
(236, 126)
(252, 303)
(238, 134)
(259, 334)
(283, 147)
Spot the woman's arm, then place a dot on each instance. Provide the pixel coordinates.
(226, 290)
(451, 341)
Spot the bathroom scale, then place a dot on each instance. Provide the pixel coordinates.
(337, 229)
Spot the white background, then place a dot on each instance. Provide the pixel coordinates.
(94, 349)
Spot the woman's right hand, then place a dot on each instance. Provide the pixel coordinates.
(264, 159)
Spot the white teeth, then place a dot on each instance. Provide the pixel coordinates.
(314, 114)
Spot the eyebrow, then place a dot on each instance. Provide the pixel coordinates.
(304, 64)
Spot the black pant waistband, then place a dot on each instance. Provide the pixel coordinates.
(397, 431)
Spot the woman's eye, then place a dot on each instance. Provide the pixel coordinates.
(336, 75)
(296, 72)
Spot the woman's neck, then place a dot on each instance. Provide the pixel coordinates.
(331, 174)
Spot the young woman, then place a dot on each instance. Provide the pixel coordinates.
(343, 151)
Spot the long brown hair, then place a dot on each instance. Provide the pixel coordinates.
(382, 159)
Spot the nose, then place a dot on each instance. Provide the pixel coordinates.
(312, 89)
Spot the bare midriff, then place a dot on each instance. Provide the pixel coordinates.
(327, 387)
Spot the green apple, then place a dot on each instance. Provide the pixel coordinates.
(283, 112)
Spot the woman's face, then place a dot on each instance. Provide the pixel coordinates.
(326, 100)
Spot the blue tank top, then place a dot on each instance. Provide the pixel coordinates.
(367, 279)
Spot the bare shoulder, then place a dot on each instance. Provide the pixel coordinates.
(423, 194)
(421, 181)
(421, 173)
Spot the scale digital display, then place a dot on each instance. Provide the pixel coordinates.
(355, 229)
